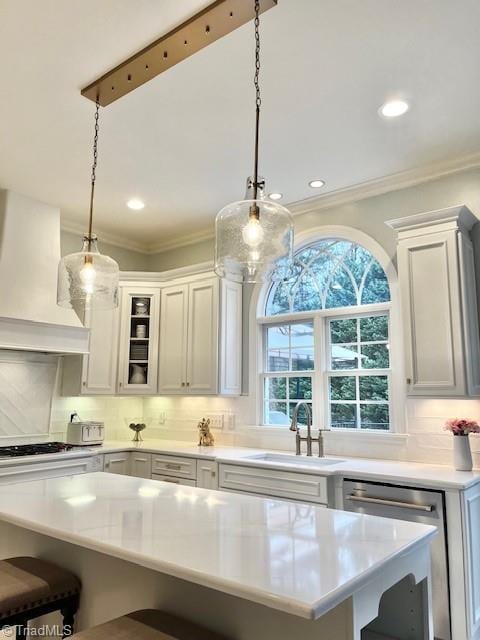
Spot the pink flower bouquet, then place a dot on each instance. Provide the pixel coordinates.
(462, 427)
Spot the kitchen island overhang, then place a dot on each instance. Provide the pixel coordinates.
(288, 559)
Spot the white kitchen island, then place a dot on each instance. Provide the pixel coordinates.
(245, 566)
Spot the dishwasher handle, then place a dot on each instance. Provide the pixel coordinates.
(391, 503)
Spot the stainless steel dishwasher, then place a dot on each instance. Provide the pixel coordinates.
(413, 505)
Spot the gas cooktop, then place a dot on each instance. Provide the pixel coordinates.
(33, 449)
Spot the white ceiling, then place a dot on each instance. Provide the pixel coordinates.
(183, 142)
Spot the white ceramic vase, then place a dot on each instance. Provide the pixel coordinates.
(138, 375)
(462, 454)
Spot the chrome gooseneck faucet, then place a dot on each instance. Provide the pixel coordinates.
(298, 438)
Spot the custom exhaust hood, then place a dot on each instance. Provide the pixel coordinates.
(30, 319)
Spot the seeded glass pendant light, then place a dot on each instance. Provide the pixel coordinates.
(253, 236)
(88, 279)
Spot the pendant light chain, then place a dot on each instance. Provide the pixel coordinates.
(94, 174)
(87, 279)
(258, 98)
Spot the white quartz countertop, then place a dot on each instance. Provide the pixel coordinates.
(300, 559)
(405, 473)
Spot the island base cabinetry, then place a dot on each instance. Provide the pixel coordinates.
(111, 587)
(471, 536)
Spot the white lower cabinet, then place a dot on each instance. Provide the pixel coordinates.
(140, 464)
(273, 483)
(52, 469)
(117, 463)
(173, 480)
(207, 474)
(175, 466)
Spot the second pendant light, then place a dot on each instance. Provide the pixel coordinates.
(253, 237)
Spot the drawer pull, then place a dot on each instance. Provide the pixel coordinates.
(391, 503)
(171, 480)
(175, 467)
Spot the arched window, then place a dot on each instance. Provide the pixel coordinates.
(332, 348)
(329, 274)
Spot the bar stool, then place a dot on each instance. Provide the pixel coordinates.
(30, 587)
(147, 625)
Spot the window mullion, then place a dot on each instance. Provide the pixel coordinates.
(319, 391)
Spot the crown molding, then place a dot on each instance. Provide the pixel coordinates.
(172, 274)
(183, 241)
(380, 186)
(458, 216)
(147, 249)
(117, 241)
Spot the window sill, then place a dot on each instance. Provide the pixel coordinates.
(387, 437)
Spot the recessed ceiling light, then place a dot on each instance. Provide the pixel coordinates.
(394, 108)
(135, 204)
(275, 196)
(316, 184)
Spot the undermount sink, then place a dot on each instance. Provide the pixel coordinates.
(285, 458)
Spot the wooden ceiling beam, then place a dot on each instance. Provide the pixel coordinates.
(215, 21)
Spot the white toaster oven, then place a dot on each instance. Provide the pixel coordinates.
(86, 433)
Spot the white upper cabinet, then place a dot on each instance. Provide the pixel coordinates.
(173, 339)
(230, 338)
(96, 372)
(438, 291)
(196, 357)
(172, 334)
(202, 350)
(138, 360)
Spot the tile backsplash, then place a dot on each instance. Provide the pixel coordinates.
(27, 409)
(27, 384)
(176, 418)
(115, 412)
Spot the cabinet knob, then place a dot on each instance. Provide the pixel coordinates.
(214, 473)
(183, 384)
(188, 384)
(409, 381)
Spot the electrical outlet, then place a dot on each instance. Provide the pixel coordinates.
(162, 417)
(217, 420)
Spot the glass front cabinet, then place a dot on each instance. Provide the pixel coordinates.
(138, 362)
